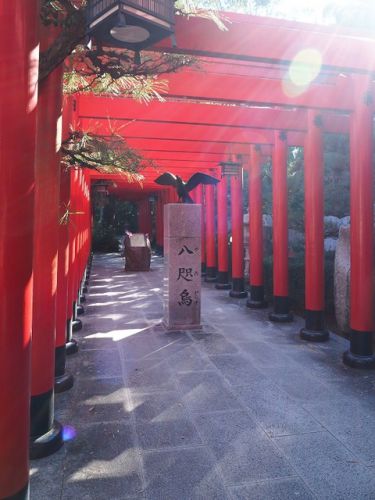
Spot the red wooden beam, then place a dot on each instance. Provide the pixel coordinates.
(100, 108)
(243, 89)
(255, 38)
(181, 145)
(177, 131)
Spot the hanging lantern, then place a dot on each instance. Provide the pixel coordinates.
(230, 168)
(134, 24)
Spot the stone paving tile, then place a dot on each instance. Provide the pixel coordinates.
(150, 344)
(299, 385)
(242, 449)
(182, 474)
(167, 434)
(95, 341)
(352, 424)
(327, 467)
(103, 400)
(213, 344)
(189, 359)
(147, 375)
(161, 406)
(280, 489)
(175, 415)
(204, 392)
(46, 476)
(275, 410)
(237, 369)
(264, 356)
(102, 460)
(97, 364)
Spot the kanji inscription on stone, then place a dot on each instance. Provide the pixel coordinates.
(182, 261)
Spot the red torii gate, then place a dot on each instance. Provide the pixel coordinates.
(254, 39)
(188, 120)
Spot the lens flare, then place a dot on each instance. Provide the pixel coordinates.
(303, 70)
(69, 433)
(305, 67)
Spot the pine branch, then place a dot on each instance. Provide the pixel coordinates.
(105, 154)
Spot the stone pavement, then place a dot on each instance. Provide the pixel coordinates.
(242, 410)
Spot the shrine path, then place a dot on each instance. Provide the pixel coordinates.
(242, 410)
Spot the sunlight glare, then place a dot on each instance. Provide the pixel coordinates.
(116, 335)
(303, 70)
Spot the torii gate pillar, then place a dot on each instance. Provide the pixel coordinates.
(256, 298)
(222, 235)
(238, 285)
(18, 104)
(281, 313)
(360, 354)
(210, 234)
(314, 330)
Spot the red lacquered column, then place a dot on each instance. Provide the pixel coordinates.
(360, 354)
(210, 234)
(85, 237)
(63, 380)
(314, 232)
(193, 195)
(75, 323)
(236, 197)
(222, 235)
(81, 251)
(45, 433)
(18, 106)
(144, 217)
(69, 120)
(281, 305)
(82, 261)
(256, 299)
(199, 193)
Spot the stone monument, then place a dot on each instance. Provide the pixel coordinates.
(182, 261)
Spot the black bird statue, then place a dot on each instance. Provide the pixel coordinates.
(183, 187)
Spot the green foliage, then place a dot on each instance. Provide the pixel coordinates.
(297, 280)
(336, 198)
(336, 181)
(104, 70)
(108, 154)
(111, 220)
(104, 239)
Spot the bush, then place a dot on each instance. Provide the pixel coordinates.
(104, 239)
(297, 280)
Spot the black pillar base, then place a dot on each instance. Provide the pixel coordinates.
(238, 289)
(210, 274)
(48, 443)
(361, 353)
(315, 330)
(45, 432)
(23, 494)
(256, 299)
(63, 380)
(281, 313)
(222, 282)
(71, 347)
(80, 310)
(203, 269)
(63, 383)
(77, 325)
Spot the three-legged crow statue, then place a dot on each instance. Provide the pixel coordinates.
(183, 187)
